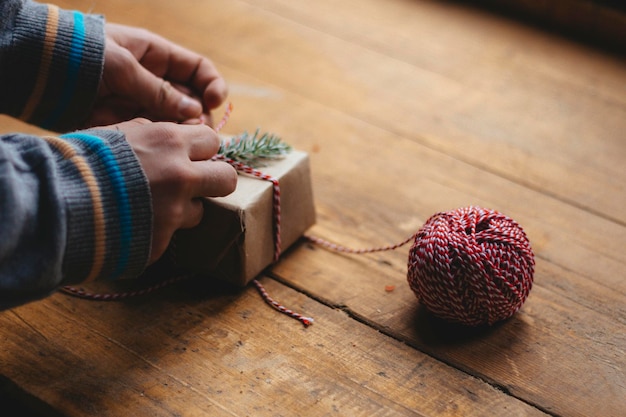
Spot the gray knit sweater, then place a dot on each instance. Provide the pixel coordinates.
(73, 207)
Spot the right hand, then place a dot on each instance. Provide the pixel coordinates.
(177, 161)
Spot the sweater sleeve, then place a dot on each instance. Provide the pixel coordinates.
(51, 63)
(74, 208)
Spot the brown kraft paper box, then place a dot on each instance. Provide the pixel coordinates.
(235, 239)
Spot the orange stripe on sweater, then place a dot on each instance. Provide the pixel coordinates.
(52, 27)
(68, 152)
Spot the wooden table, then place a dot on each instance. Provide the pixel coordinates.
(406, 108)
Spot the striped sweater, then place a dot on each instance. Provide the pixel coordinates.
(73, 207)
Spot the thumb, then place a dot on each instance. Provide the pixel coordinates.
(160, 98)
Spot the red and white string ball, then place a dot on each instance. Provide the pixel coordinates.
(472, 266)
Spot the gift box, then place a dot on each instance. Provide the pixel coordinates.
(235, 240)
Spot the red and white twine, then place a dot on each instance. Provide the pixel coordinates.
(276, 208)
(307, 321)
(343, 249)
(117, 296)
(276, 196)
(471, 265)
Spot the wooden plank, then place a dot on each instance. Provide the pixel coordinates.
(505, 97)
(555, 353)
(197, 350)
(399, 128)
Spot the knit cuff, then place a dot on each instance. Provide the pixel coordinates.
(120, 212)
(57, 59)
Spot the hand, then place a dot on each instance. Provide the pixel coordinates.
(148, 76)
(176, 159)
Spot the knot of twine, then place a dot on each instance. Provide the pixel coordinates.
(471, 265)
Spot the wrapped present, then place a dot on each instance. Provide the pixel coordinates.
(242, 234)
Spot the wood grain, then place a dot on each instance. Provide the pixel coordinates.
(199, 350)
(407, 108)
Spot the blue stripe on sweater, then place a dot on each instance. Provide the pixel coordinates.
(100, 148)
(73, 66)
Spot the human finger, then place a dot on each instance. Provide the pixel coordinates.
(215, 93)
(203, 142)
(194, 210)
(189, 72)
(197, 85)
(189, 69)
(160, 98)
(213, 179)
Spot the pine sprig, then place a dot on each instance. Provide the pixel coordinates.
(253, 149)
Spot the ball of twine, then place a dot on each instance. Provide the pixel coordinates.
(472, 266)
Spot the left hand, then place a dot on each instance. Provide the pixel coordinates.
(148, 76)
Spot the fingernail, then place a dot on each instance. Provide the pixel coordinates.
(189, 108)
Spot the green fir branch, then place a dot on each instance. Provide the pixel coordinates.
(253, 149)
